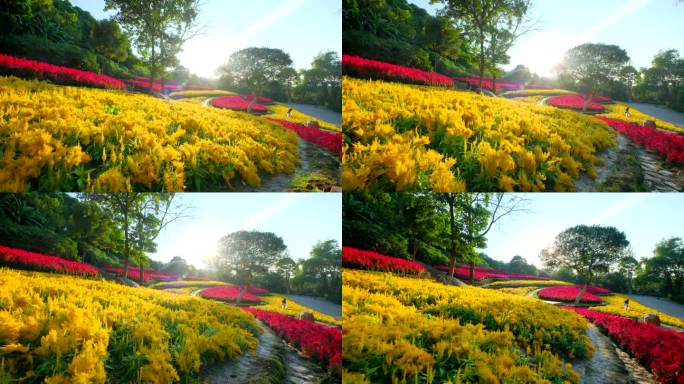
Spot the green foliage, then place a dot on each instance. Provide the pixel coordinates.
(322, 84)
(397, 32)
(321, 274)
(663, 274)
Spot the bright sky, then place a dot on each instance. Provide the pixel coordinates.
(645, 218)
(302, 28)
(301, 219)
(641, 27)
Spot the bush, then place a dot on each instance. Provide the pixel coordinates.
(372, 47)
(41, 49)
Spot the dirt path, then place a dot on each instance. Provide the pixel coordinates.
(272, 362)
(321, 113)
(661, 112)
(661, 304)
(318, 304)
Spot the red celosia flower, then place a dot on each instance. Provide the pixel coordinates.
(568, 293)
(134, 273)
(356, 258)
(329, 140)
(379, 70)
(669, 144)
(574, 102)
(237, 103)
(660, 349)
(488, 83)
(228, 293)
(32, 260)
(317, 340)
(58, 74)
(260, 99)
(255, 290)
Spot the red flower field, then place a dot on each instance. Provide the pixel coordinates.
(462, 271)
(356, 258)
(487, 83)
(319, 341)
(255, 290)
(134, 273)
(237, 103)
(660, 349)
(669, 144)
(574, 102)
(361, 67)
(228, 293)
(22, 259)
(260, 99)
(567, 293)
(331, 141)
(55, 73)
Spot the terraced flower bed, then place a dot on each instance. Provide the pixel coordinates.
(230, 294)
(568, 294)
(365, 68)
(19, 258)
(331, 141)
(481, 273)
(671, 145)
(237, 103)
(356, 258)
(574, 102)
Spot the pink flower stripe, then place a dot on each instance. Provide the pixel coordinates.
(660, 349)
(462, 271)
(567, 293)
(134, 273)
(597, 98)
(667, 143)
(260, 99)
(487, 83)
(20, 258)
(228, 293)
(379, 70)
(58, 74)
(237, 103)
(319, 341)
(574, 102)
(356, 258)
(331, 141)
(255, 290)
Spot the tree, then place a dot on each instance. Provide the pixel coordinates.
(322, 83)
(519, 74)
(628, 266)
(109, 41)
(666, 268)
(593, 67)
(321, 274)
(588, 250)
(286, 267)
(491, 25)
(178, 265)
(244, 254)
(257, 70)
(160, 28)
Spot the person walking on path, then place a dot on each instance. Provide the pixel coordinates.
(626, 305)
(289, 113)
(283, 304)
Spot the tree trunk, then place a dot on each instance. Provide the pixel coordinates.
(587, 101)
(581, 292)
(153, 61)
(472, 272)
(83, 253)
(482, 58)
(415, 249)
(629, 283)
(126, 250)
(494, 83)
(452, 262)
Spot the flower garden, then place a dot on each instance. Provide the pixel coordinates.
(357, 258)
(22, 259)
(462, 271)
(365, 68)
(229, 294)
(416, 327)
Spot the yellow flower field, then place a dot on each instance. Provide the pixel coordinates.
(60, 329)
(417, 329)
(280, 112)
(406, 137)
(273, 304)
(615, 305)
(77, 139)
(529, 99)
(617, 111)
(205, 94)
(193, 100)
(519, 291)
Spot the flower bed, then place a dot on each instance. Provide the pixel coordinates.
(567, 294)
(463, 272)
(237, 103)
(228, 293)
(319, 341)
(487, 83)
(273, 303)
(261, 99)
(616, 111)
(669, 144)
(255, 290)
(615, 304)
(598, 99)
(356, 258)
(329, 140)
(595, 289)
(134, 273)
(198, 93)
(11, 65)
(188, 283)
(359, 67)
(19, 258)
(574, 102)
(660, 349)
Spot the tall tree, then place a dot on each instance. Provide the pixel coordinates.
(257, 70)
(286, 268)
(588, 250)
(593, 67)
(160, 28)
(491, 25)
(628, 266)
(244, 254)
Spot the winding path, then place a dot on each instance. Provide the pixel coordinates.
(661, 304)
(321, 113)
(318, 304)
(663, 113)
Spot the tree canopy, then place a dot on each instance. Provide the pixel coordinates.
(260, 71)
